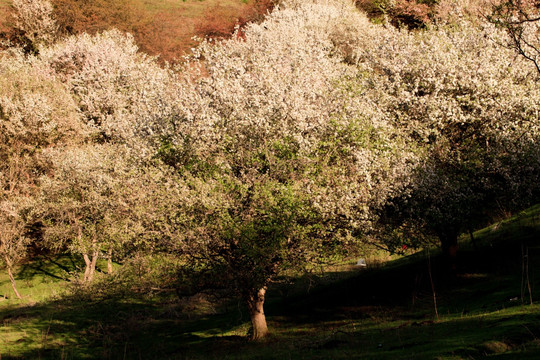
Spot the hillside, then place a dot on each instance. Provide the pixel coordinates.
(158, 210)
(4, 10)
(383, 312)
(161, 27)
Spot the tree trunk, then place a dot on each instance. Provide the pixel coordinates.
(90, 268)
(11, 277)
(449, 244)
(93, 266)
(91, 263)
(473, 240)
(256, 312)
(109, 261)
(86, 258)
(87, 268)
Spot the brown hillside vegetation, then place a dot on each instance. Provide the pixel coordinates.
(167, 27)
(415, 14)
(4, 10)
(160, 27)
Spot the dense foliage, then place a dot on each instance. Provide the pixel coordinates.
(472, 105)
(288, 145)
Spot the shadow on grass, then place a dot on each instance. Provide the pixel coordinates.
(512, 331)
(71, 328)
(504, 334)
(85, 325)
(58, 268)
(383, 313)
(326, 324)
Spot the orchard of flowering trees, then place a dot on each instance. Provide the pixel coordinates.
(288, 145)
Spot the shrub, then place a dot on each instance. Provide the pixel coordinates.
(33, 25)
(452, 11)
(411, 14)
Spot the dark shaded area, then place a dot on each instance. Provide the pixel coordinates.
(495, 269)
(382, 313)
(410, 14)
(55, 267)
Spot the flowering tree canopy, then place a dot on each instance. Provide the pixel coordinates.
(282, 147)
(284, 160)
(473, 106)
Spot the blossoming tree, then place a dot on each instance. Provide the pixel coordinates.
(282, 160)
(36, 113)
(472, 106)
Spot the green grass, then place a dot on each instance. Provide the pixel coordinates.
(383, 312)
(37, 280)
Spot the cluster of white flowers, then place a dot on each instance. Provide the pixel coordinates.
(35, 19)
(276, 74)
(118, 90)
(315, 97)
(33, 100)
(451, 75)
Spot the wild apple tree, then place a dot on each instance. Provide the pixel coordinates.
(472, 106)
(97, 201)
(281, 162)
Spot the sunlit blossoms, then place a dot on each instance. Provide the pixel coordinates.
(286, 146)
(35, 20)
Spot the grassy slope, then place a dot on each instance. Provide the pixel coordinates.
(378, 313)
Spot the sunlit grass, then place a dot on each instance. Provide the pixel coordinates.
(373, 313)
(189, 8)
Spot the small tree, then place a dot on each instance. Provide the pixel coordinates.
(86, 203)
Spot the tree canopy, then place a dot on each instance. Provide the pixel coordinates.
(288, 145)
